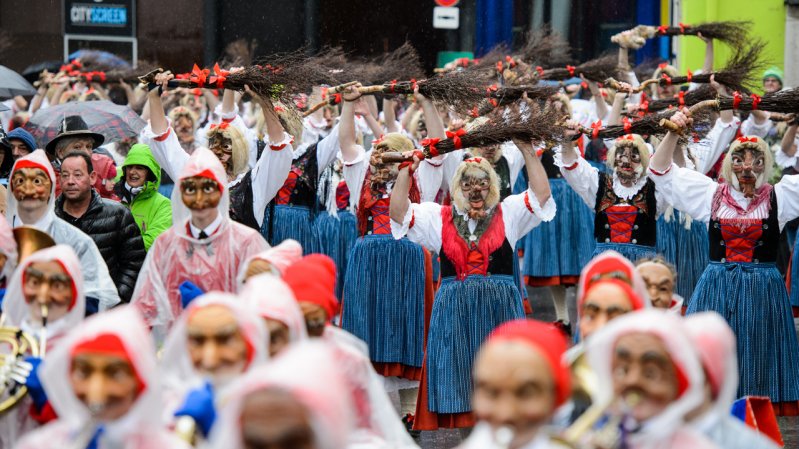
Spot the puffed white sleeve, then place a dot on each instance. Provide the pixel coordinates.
(326, 150)
(750, 127)
(429, 177)
(785, 161)
(687, 190)
(708, 150)
(270, 173)
(421, 224)
(515, 160)
(234, 119)
(787, 191)
(166, 150)
(354, 171)
(581, 176)
(522, 212)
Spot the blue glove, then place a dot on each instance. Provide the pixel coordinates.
(189, 291)
(34, 384)
(95, 441)
(199, 405)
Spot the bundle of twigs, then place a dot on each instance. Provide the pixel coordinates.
(503, 96)
(544, 48)
(457, 89)
(400, 64)
(687, 99)
(239, 53)
(335, 62)
(597, 70)
(653, 124)
(732, 33)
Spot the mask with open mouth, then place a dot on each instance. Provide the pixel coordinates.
(747, 165)
(475, 188)
(629, 158)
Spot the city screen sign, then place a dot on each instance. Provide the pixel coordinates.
(103, 17)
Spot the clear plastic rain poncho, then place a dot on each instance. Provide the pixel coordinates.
(279, 257)
(668, 429)
(309, 372)
(212, 264)
(271, 298)
(18, 312)
(177, 369)
(140, 428)
(99, 284)
(8, 247)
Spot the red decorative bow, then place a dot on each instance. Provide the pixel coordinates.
(644, 107)
(540, 70)
(510, 61)
(222, 125)
(430, 144)
(570, 68)
(755, 101)
(663, 65)
(475, 160)
(689, 76)
(736, 99)
(662, 29)
(500, 67)
(681, 98)
(666, 77)
(745, 139)
(596, 126)
(627, 125)
(456, 138)
(491, 88)
(474, 112)
(199, 76)
(392, 84)
(413, 84)
(220, 76)
(682, 27)
(629, 137)
(378, 141)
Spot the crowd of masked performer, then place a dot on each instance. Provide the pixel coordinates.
(234, 277)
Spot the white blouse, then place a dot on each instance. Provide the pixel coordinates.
(521, 213)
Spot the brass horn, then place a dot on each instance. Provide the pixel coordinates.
(13, 369)
(29, 240)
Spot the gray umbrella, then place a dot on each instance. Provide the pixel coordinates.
(13, 84)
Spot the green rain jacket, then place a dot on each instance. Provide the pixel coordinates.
(151, 210)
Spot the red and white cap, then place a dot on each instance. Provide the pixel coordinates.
(669, 329)
(612, 265)
(280, 257)
(205, 164)
(36, 159)
(272, 298)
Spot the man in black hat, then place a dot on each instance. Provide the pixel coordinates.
(75, 135)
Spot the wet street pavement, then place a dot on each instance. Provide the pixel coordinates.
(543, 310)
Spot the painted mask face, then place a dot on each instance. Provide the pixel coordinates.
(216, 345)
(644, 375)
(382, 173)
(659, 283)
(513, 388)
(184, 129)
(602, 303)
(627, 164)
(136, 175)
(315, 318)
(749, 168)
(222, 147)
(31, 187)
(274, 419)
(256, 267)
(278, 336)
(475, 186)
(106, 384)
(199, 193)
(47, 284)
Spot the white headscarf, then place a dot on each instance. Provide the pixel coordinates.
(204, 163)
(715, 342)
(17, 310)
(36, 159)
(272, 298)
(670, 330)
(308, 371)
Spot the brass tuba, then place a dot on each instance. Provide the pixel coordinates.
(29, 240)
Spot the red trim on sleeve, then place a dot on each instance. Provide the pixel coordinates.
(572, 166)
(228, 120)
(163, 136)
(277, 147)
(658, 173)
(527, 203)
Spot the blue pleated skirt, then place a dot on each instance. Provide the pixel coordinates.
(685, 248)
(328, 229)
(348, 235)
(561, 247)
(630, 251)
(753, 300)
(292, 222)
(795, 274)
(383, 302)
(464, 313)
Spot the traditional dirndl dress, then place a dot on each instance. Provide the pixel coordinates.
(683, 242)
(338, 233)
(384, 296)
(556, 251)
(743, 285)
(292, 213)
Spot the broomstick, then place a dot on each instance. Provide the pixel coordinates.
(401, 64)
(737, 75)
(650, 125)
(687, 99)
(597, 70)
(502, 96)
(732, 33)
(544, 48)
(538, 126)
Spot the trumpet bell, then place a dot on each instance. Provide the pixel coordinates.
(29, 240)
(15, 344)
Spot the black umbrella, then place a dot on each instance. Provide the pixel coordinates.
(113, 121)
(32, 72)
(13, 84)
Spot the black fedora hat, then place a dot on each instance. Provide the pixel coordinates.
(74, 126)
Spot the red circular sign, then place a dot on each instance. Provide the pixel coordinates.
(447, 2)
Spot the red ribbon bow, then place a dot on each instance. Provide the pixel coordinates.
(681, 98)
(662, 29)
(596, 126)
(644, 107)
(540, 70)
(736, 99)
(744, 139)
(491, 88)
(570, 68)
(755, 101)
(629, 137)
(666, 77)
(689, 76)
(474, 112)
(222, 125)
(199, 76)
(474, 160)
(336, 98)
(220, 76)
(627, 125)
(378, 141)
(682, 27)
(430, 144)
(500, 67)
(392, 85)
(413, 84)
(456, 138)
(510, 61)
